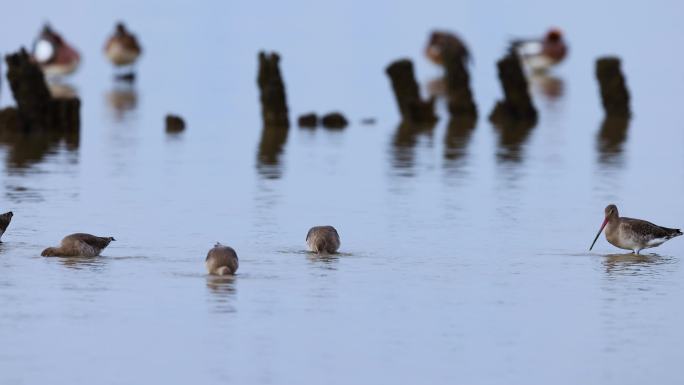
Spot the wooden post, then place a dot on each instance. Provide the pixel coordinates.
(411, 107)
(614, 93)
(272, 90)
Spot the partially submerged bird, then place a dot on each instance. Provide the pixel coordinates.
(54, 55)
(222, 260)
(541, 54)
(323, 239)
(78, 245)
(442, 43)
(633, 234)
(122, 48)
(5, 220)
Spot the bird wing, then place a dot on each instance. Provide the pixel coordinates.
(646, 230)
(91, 240)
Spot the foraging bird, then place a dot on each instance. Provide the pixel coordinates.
(78, 245)
(221, 260)
(54, 55)
(441, 43)
(541, 54)
(122, 47)
(5, 220)
(633, 234)
(323, 239)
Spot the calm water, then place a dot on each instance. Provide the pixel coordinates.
(464, 252)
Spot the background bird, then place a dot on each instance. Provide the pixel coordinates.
(54, 55)
(122, 48)
(540, 54)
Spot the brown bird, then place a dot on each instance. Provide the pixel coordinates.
(54, 55)
(222, 260)
(5, 220)
(441, 42)
(323, 239)
(78, 245)
(542, 54)
(633, 234)
(122, 47)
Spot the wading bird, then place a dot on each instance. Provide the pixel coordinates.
(633, 234)
(323, 239)
(221, 260)
(78, 245)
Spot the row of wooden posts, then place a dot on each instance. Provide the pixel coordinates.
(37, 109)
(515, 108)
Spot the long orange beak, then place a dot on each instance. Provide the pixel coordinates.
(605, 222)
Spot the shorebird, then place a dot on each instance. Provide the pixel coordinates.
(633, 234)
(541, 54)
(54, 55)
(442, 42)
(222, 260)
(323, 239)
(5, 220)
(122, 47)
(78, 245)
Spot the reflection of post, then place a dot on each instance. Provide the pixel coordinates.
(37, 108)
(271, 145)
(611, 138)
(457, 138)
(412, 108)
(273, 99)
(517, 105)
(461, 103)
(614, 93)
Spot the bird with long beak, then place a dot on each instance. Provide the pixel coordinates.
(122, 48)
(542, 53)
(633, 234)
(53, 54)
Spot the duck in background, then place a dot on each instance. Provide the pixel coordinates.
(442, 41)
(540, 54)
(123, 50)
(53, 54)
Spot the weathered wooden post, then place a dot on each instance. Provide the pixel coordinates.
(272, 91)
(36, 108)
(461, 103)
(614, 93)
(516, 107)
(412, 108)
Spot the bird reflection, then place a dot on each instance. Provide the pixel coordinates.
(404, 142)
(327, 261)
(271, 145)
(512, 138)
(29, 148)
(632, 264)
(122, 99)
(457, 138)
(83, 263)
(223, 290)
(551, 87)
(611, 139)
